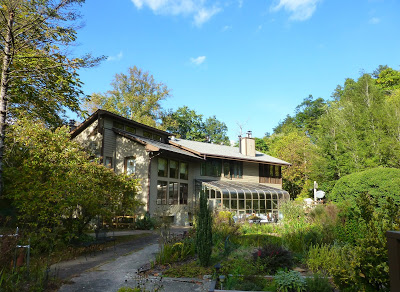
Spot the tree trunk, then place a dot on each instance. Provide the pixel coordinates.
(5, 77)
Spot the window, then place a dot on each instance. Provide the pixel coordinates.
(183, 194)
(162, 167)
(173, 169)
(118, 125)
(162, 192)
(147, 135)
(233, 169)
(211, 168)
(157, 137)
(173, 193)
(273, 171)
(130, 165)
(183, 170)
(130, 129)
(108, 161)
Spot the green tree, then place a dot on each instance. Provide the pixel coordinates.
(357, 130)
(187, 124)
(215, 131)
(294, 146)
(136, 96)
(204, 231)
(306, 116)
(37, 76)
(54, 187)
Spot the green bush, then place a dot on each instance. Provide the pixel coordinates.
(290, 281)
(378, 182)
(173, 252)
(318, 283)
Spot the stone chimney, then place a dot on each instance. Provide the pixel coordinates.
(247, 145)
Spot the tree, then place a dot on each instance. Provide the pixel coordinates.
(136, 96)
(187, 124)
(37, 77)
(204, 231)
(54, 186)
(306, 116)
(295, 146)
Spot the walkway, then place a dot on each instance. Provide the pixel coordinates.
(111, 270)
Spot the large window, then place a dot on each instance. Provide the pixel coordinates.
(173, 193)
(183, 194)
(173, 169)
(233, 169)
(162, 167)
(211, 167)
(162, 192)
(183, 170)
(130, 165)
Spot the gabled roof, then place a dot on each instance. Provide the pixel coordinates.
(116, 117)
(153, 145)
(223, 151)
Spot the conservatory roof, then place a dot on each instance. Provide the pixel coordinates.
(230, 187)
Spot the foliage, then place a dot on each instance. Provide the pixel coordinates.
(294, 146)
(380, 183)
(55, 188)
(318, 283)
(270, 258)
(178, 251)
(306, 116)
(337, 261)
(146, 223)
(187, 270)
(204, 231)
(41, 80)
(290, 281)
(21, 279)
(363, 262)
(187, 124)
(136, 96)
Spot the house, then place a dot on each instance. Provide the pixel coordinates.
(173, 171)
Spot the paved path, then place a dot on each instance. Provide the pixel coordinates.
(111, 270)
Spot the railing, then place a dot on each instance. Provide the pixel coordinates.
(270, 180)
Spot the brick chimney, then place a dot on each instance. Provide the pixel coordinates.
(247, 145)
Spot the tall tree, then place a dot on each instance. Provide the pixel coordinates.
(136, 96)
(293, 145)
(187, 124)
(37, 76)
(306, 116)
(54, 185)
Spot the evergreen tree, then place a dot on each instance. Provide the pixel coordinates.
(204, 231)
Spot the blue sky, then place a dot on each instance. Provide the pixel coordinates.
(249, 62)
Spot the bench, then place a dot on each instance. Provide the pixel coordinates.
(101, 237)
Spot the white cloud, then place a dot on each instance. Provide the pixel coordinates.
(299, 9)
(198, 61)
(226, 27)
(116, 57)
(198, 9)
(374, 20)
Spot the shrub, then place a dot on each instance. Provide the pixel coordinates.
(272, 257)
(318, 283)
(378, 182)
(337, 261)
(204, 231)
(290, 281)
(173, 252)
